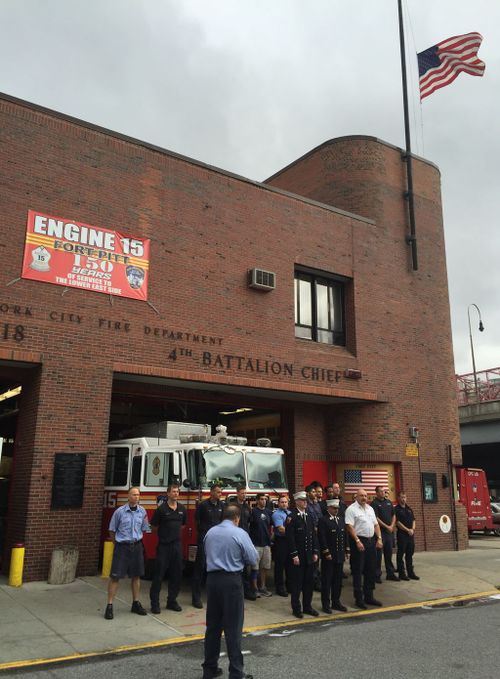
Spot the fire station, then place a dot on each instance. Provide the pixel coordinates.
(139, 286)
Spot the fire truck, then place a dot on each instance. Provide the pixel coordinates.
(188, 454)
(475, 496)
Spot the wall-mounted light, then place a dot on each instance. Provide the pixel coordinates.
(413, 433)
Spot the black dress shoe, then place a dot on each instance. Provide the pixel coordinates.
(373, 602)
(360, 604)
(281, 592)
(413, 576)
(393, 577)
(217, 673)
(173, 606)
(326, 610)
(155, 609)
(251, 596)
(298, 614)
(137, 608)
(197, 604)
(339, 606)
(378, 581)
(311, 611)
(404, 577)
(108, 613)
(345, 576)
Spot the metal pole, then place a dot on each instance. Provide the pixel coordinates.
(412, 238)
(481, 328)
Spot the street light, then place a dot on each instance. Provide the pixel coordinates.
(481, 328)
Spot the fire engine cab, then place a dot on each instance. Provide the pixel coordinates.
(188, 454)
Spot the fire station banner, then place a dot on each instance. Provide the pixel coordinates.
(76, 255)
(367, 475)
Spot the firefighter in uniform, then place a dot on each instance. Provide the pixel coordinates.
(303, 549)
(332, 539)
(208, 514)
(167, 522)
(405, 522)
(386, 517)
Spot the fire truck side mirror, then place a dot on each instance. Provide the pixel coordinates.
(186, 483)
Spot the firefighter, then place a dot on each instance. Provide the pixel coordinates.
(332, 539)
(208, 514)
(167, 522)
(303, 550)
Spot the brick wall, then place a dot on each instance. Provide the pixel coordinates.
(207, 228)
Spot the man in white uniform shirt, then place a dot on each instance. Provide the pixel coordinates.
(364, 539)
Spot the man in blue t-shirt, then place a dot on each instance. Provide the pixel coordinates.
(260, 534)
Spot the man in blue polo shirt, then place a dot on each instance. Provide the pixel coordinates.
(126, 529)
(228, 550)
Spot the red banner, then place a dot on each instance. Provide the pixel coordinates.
(78, 255)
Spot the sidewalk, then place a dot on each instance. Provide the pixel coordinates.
(41, 621)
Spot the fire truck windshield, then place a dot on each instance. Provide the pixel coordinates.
(266, 470)
(219, 466)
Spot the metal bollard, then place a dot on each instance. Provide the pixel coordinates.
(107, 558)
(16, 565)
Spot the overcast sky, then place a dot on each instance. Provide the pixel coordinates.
(250, 85)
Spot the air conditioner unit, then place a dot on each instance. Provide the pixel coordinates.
(261, 280)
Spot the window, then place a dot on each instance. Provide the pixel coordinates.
(266, 470)
(158, 469)
(117, 466)
(319, 308)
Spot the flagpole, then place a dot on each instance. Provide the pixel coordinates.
(411, 239)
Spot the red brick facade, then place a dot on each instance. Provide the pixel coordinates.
(207, 228)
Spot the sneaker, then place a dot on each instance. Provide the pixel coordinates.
(173, 606)
(108, 613)
(137, 608)
(265, 592)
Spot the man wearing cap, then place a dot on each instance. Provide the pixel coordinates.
(303, 549)
(364, 540)
(331, 534)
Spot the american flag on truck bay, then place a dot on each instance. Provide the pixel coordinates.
(365, 478)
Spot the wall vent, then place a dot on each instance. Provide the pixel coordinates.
(261, 280)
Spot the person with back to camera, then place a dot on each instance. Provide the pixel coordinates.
(228, 550)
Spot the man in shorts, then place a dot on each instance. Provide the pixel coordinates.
(126, 529)
(260, 534)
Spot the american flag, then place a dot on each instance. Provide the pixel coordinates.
(440, 64)
(365, 478)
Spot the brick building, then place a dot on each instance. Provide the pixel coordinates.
(338, 380)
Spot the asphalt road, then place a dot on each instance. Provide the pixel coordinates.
(454, 641)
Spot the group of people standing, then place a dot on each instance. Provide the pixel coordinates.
(310, 543)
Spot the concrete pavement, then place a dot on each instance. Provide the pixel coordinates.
(41, 622)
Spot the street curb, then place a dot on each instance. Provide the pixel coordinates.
(40, 662)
